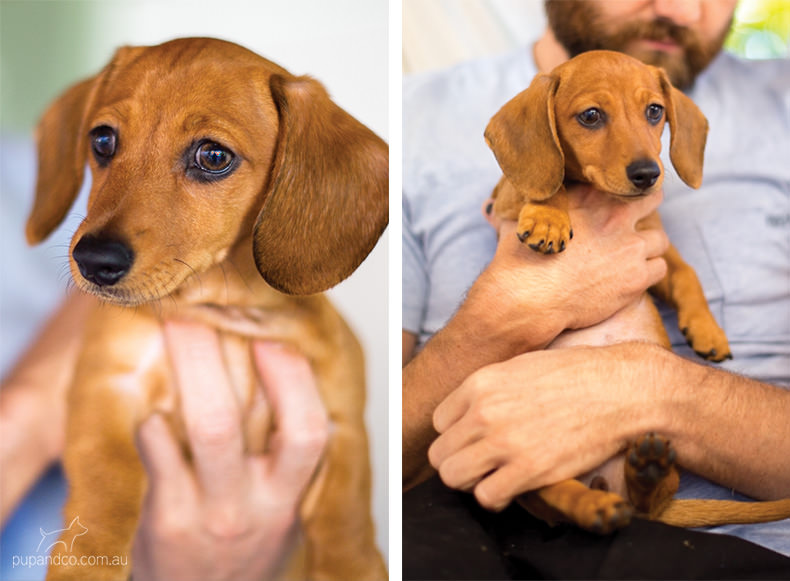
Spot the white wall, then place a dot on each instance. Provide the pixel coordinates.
(438, 33)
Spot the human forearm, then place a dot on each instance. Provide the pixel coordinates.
(728, 428)
(25, 451)
(33, 405)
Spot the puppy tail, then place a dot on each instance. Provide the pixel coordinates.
(701, 513)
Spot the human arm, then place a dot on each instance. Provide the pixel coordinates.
(523, 300)
(33, 402)
(593, 401)
(231, 515)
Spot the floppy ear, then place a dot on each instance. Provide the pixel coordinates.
(523, 137)
(61, 160)
(688, 133)
(62, 150)
(327, 203)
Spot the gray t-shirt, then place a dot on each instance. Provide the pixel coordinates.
(734, 230)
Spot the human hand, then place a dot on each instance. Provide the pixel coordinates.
(543, 417)
(228, 515)
(610, 262)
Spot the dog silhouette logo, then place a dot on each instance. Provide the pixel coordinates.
(50, 539)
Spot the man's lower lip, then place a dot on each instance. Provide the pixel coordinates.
(661, 45)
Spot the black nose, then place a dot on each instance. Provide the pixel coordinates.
(102, 261)
(643, 173)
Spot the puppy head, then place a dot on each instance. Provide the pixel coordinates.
(195, 146)
(597, 118)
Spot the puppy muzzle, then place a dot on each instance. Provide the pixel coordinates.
(102, 261)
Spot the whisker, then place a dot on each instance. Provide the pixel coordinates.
(194, 274)
(238, 271)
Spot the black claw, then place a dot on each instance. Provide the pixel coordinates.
(685, 331)
(536, 246)
(562, 245)
(571, 235)
(489, 207)
(633, 458)
(523, 236)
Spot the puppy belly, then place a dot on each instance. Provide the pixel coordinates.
(637, 322)
(612, 472)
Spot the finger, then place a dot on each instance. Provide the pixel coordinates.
(497, 490)
(464, 468)
(641, 209)
(605, 213)
(656, 242)
(209, 407)
(169, 477)
(301, 419)
(450, 410)
(656, 270)
(490, 215)
(461, 434)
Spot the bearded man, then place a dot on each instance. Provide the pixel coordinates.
(478, 311)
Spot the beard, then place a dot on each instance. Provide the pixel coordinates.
(579, 27)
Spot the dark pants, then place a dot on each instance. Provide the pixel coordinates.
(446, 535)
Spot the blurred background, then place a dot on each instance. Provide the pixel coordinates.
(438, 33)
(46, 46)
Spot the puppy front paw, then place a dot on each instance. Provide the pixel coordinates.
(704, 336)
(543, 228)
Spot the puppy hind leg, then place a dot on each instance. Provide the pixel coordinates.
(104, 499)
(337, 523)
(681, 289)
(597, 511)
(650, 474)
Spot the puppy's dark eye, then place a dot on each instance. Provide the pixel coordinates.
(654, 113)
(591, 118)
(104, 142)
(213, 158)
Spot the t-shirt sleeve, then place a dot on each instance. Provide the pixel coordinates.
(414, 277)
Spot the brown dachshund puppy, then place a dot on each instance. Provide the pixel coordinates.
(222, 185)
(598, 119)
